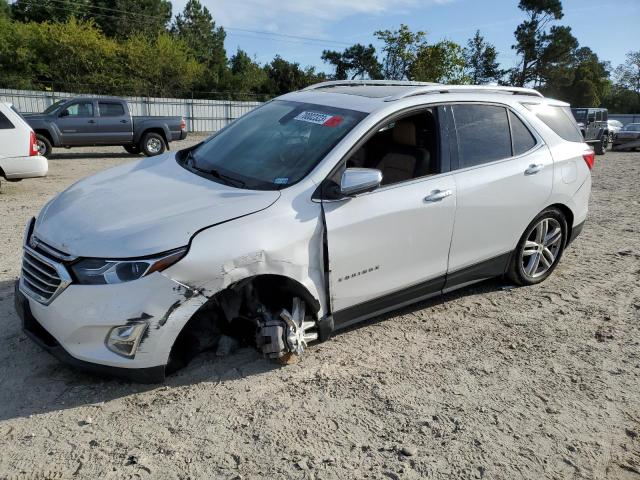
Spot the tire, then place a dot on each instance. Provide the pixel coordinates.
(44, 145)
(530, 262)
(601, 146)
(132, 149)
(152, 144)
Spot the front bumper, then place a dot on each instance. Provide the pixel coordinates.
(44, 339)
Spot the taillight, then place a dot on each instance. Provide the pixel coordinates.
(33, 144)
(589, 158)
(183, 124)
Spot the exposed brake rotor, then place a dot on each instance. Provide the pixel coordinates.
(287, 334)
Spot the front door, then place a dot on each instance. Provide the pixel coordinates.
(78, 123)
(389, 246)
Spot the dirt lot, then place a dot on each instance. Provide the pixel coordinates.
(489, 382)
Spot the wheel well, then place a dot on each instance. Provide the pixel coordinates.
(233, 312)
(159, 131)
(46, 134)
(568, 214)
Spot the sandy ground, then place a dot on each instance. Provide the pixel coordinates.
(489, 382)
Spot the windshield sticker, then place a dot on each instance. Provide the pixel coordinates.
(318, 118)
(281, 180)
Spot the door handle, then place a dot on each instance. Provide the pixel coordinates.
(123, 121)
(92, 121)
(534, 168)
(437, 195)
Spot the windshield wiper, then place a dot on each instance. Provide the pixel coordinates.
(215, 173)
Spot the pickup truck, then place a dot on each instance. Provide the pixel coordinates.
(85, 121)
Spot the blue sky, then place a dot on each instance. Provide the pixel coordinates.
(610, 28)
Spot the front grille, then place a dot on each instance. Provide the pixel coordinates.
(42, 278)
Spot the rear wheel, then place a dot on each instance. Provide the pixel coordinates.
(540, 248)
(601, 146)
(132, 149)
(152, 144)
(44, 145)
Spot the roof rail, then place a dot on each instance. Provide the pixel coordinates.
(425, 90)
(371, 83)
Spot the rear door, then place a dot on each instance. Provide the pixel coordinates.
(78, 123)
(504, 177)
(114, 123)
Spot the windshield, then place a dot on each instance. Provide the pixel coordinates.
(632, 127)
(272, 147)
(580, 114)
(54, 106)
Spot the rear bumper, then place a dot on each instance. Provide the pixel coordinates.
(181, 135)
(16, 168)
(34, 330)
(575, 232)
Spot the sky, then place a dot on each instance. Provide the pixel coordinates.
(299, 30)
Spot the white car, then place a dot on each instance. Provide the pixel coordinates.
(317, 210)
(19, 156)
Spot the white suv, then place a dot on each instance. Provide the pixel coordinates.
(313, 212)
(19, 156)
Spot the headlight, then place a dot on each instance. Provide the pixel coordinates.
(94, 271)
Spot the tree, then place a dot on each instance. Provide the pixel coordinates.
(401, 49)
(173, 73)
(542, 49)
(284, 77)
(244, 78)
(5, 9)
(126, 18)
(49, 10)
(356, 61)
(481, 60)
(628, 74)
(442, 62)
(583, 82)
(197, 29)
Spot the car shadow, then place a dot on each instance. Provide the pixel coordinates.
(43, 384)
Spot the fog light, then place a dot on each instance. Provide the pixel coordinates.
(124, 340)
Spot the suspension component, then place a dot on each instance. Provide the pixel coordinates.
(287, 334)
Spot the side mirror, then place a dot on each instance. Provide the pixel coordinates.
(64, 113)
(591, 119)
(359, 180)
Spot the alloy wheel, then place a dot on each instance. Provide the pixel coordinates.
(542, 248)
(154, 145)
(42, 148)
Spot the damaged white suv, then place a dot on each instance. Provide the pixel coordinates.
(317, 210)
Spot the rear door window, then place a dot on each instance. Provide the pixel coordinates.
(483, 134)
(559, 119)
(111, 109)
(523, 139)
(5, 123)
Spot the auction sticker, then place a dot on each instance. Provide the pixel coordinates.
(318, 118)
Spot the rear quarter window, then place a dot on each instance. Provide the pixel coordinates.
(5, 123)
(559, 119)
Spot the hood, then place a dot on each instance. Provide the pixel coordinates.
(141, 208)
